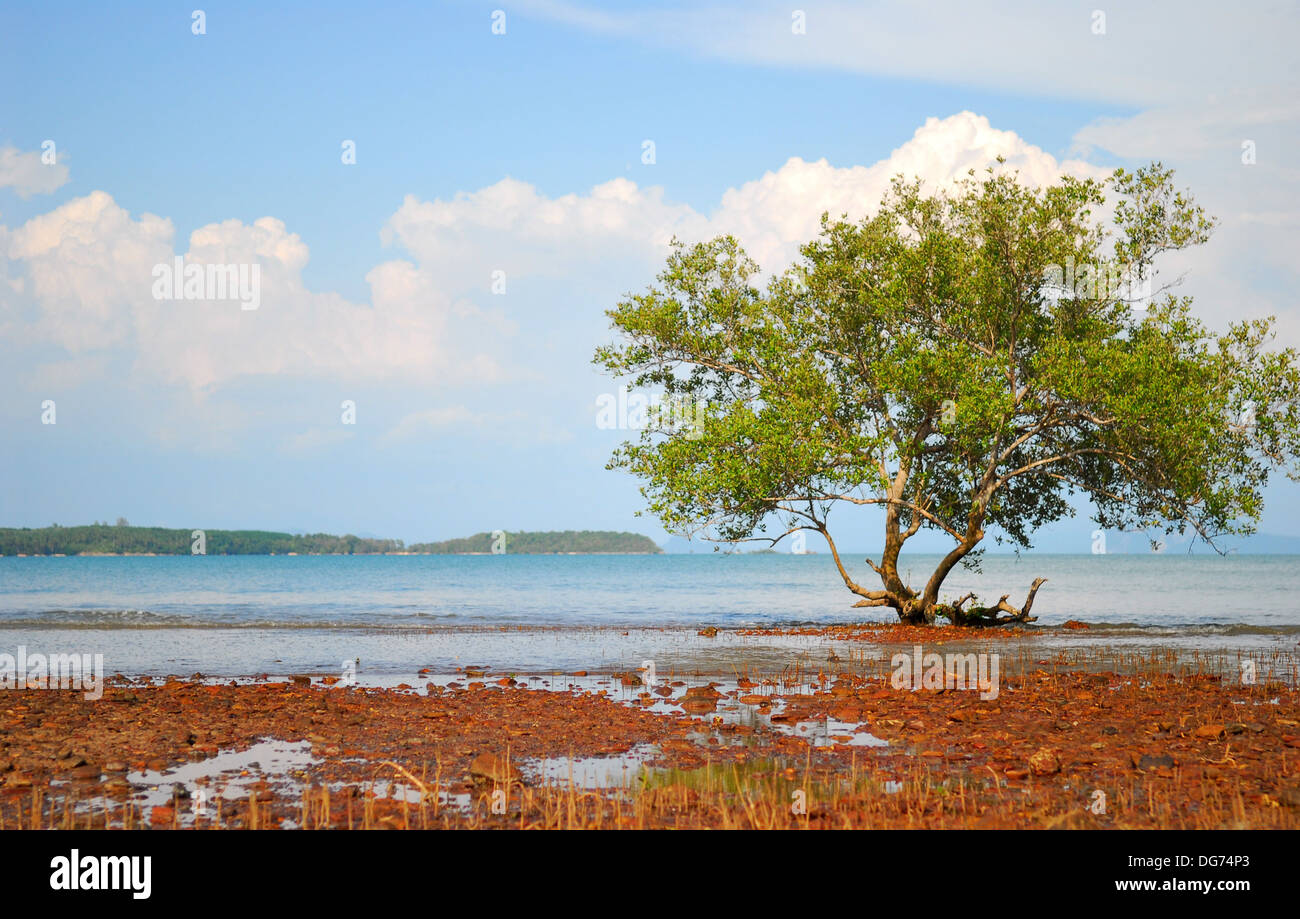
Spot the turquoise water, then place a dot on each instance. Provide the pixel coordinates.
(666, 590)
(244, 614)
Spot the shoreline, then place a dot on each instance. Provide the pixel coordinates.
(1166, 745)
(390, 654)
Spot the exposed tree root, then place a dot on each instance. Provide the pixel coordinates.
(912, 610)
(990, 615)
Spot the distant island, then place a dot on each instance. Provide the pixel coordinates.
(124, 539)
(568, 542)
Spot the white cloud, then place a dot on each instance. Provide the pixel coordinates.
(27, 175)
(87, 267)
(512, 227)
(1248, 268)
(509, 226)
(83, 273)
(1149, 53)
(773, 215)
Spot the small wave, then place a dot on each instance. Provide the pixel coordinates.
(113, 619)
(1187, 628)
(93, 618)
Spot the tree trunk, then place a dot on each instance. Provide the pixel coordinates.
(925, 609)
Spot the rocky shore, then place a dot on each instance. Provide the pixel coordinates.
(1062, 745)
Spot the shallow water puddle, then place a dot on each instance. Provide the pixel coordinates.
(399, 790)
(828, 732)
(615, 771)
(195, 787)
(820, 733)
(228, 774)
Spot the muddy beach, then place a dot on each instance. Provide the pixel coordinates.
(1074, 739)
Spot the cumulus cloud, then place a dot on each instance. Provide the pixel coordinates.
(773, 215)
(84, 273)
(87, 264)
(512, 227)
(86, 282)
(27, 175)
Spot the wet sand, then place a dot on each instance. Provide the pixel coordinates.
(1070, 739)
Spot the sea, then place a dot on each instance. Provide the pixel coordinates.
(395, 616)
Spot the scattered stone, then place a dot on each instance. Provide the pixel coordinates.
(1044, 762)
(1149, 762)
(702, 692)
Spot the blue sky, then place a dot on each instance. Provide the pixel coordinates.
(521, 153)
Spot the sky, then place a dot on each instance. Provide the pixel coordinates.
(442, 199)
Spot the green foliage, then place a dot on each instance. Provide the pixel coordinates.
(927, 361)
(123, 539)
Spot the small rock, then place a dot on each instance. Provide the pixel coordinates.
(699, 706)
(702, 692)
(1044, 762)
(1148, 762)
